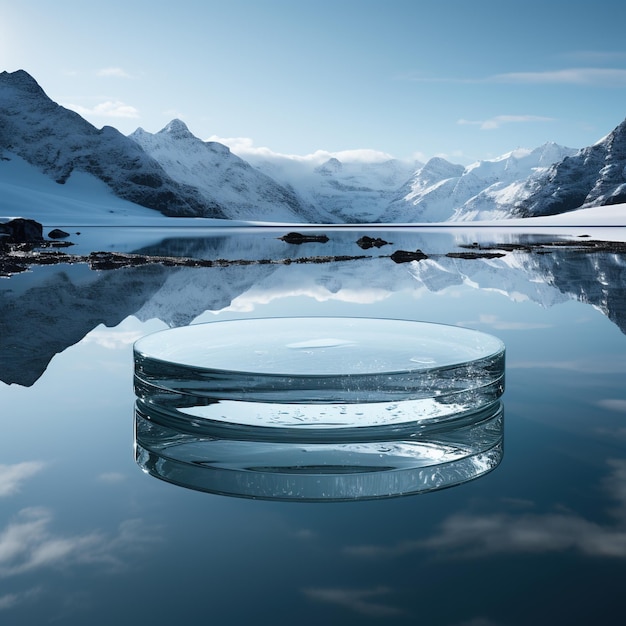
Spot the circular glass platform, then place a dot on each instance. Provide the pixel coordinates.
(311, 376)
(180, 453)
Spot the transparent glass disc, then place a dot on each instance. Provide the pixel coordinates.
(319, 373)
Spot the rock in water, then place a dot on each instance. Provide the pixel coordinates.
(21, 230)
(298, 238)
(57, 233)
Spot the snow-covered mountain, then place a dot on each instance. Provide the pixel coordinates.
(60, 142)
(441, 191)
(243, 192)
(594, 176)
(351, 190)
(177, 174)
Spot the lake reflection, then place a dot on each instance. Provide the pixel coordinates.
(86, 537)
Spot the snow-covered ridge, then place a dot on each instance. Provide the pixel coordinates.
(442, 191)
(59, 142)
(243, 192)
(175, 173)
(351, 191)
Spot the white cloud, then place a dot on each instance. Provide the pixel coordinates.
(453, 155)
(116, 72)
(244, 147)
(358, 600)
(586, 76)
(423, 157)
(362, 155)
(110, 108)
(239, 144)
(499, 120)
(12, 476)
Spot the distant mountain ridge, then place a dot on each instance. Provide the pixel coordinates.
(177, 174)
(594, 176)
(242, 191)
(352, 191)
(441, 191)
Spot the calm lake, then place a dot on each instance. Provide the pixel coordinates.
(89, 534)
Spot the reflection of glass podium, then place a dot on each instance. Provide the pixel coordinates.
(315, 409)
(184, 455)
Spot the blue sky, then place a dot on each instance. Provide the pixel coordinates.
(410, 78)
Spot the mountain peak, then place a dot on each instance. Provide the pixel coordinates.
(178, 129)
(617, 137)
(22, 81)
(550, 153)
(438, 168)
(19, 77)
(332, 166)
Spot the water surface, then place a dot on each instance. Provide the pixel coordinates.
(86, 536)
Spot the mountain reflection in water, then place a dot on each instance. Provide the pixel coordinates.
(45, 310)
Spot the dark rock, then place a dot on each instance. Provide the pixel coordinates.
(8, 267)
(475, 255)
(298, 238)
(21, 230)
(404, 256)
(57, 233)
(366, 242)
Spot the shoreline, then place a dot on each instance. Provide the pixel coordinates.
(16, 258)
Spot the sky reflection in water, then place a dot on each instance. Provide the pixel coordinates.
(85, 536)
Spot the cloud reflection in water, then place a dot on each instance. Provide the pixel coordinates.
(465, 535)
(28, 543)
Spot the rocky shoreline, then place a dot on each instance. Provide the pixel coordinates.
(22, 246)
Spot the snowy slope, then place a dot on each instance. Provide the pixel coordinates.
(352, 190)
(83, 199)
(594, 176)
(59, 142)
(442, 191)
(242, 192)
